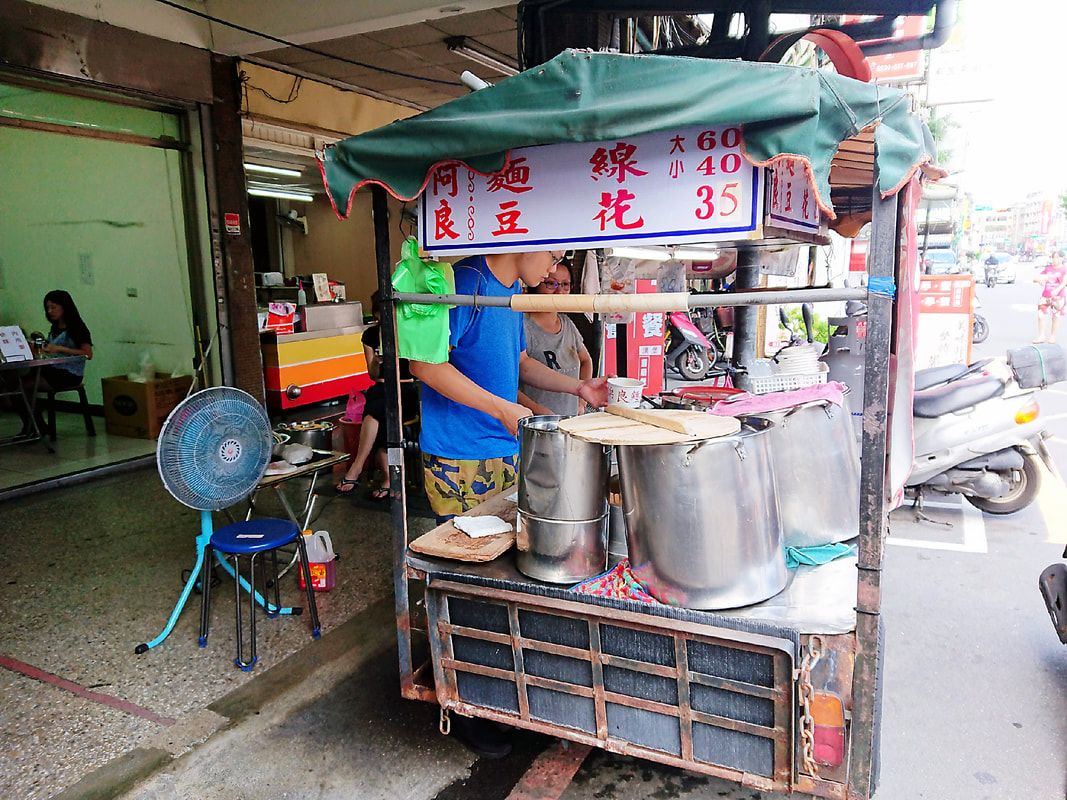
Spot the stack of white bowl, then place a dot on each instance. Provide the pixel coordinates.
(800, 359)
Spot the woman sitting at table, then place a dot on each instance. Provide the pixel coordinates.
(68, 336)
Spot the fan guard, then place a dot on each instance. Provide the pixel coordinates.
(214, 448)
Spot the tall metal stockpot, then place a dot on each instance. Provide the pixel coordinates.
(560, 477)
(702, 521)
(817, 466)
(562, 524)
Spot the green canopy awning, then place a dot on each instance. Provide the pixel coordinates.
(589, 97)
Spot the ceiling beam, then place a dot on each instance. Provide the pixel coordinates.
(332, 19)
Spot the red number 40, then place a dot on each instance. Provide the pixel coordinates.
(706, 195)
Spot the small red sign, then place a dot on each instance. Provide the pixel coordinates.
(233, 223)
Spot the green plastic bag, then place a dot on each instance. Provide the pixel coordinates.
(422, 328)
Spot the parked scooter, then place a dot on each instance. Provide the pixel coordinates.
(977, 434)
(979, 329)
(687, 351)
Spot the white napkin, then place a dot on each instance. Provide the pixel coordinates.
(477, 527)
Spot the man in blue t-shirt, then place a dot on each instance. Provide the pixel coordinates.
(469, 414)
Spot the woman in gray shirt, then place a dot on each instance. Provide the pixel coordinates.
(553, 340)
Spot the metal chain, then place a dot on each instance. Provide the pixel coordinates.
(805, 700)
(445, 722)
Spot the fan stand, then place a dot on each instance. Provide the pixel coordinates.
(202, 542)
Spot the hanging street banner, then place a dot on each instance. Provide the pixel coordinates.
(672, 187)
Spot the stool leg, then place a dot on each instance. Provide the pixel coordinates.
(205, 594)
(316, 631)
(90, 428)
(246, 665)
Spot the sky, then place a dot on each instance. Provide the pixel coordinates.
(1016, 60)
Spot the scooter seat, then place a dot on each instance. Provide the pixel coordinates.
(925, 378)
(943, 400)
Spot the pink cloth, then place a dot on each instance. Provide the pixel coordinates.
(778, 401)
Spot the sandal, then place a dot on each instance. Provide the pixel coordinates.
(380, 494)
(353, 485)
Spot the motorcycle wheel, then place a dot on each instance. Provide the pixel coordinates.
(981, 330)
(1021, 495)
(693, 363)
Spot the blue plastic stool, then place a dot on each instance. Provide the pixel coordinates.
(251, 538)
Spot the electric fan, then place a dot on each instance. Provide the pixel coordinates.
(212, 451)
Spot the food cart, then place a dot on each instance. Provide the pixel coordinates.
(780, 696)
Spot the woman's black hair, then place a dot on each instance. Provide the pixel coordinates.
(72, 318)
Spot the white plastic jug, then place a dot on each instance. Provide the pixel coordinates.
(319, 547)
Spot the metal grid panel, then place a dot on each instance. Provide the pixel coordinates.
(641, 688)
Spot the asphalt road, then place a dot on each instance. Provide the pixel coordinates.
(975, 676)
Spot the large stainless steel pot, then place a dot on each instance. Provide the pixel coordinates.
(560, 477)
(558, 551)
(316, 435)
(702, 521)
(817, 466)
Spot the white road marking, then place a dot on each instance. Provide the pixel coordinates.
(974, 537)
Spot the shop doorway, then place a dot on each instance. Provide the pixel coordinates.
(95, 204)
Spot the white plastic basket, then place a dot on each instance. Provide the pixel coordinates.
(765, 384)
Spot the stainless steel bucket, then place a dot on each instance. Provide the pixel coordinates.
(560, 477)
(557, 551)
(702, 520)
(817, 466)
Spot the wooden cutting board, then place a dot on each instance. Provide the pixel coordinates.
(448, 541)
(611, 429)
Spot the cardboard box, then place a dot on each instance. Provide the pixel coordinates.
(138, 410)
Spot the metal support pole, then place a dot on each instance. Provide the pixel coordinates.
(874, 523)
(756, 297)
(745, 318)
(393, 431)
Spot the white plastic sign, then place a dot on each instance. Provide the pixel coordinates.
(685, 185)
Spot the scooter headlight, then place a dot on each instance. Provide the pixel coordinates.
(1027, 414)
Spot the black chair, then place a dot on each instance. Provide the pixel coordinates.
(90, 428)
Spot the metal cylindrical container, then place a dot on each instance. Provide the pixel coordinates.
(702, 521)
(560, 477)
(617, 549)
(817, 466)
(558, 551)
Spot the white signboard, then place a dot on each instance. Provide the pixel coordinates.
(13, 344)
(686, 185)
(791, 201)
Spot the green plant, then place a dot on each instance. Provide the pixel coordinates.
(820, 328)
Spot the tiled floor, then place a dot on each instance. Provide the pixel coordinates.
(75, 451)
(95, 569)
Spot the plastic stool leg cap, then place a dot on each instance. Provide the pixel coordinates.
(316, 634)
(202, 641)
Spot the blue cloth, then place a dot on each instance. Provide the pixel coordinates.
(64, 339)
(819, 554)
(486, 345)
